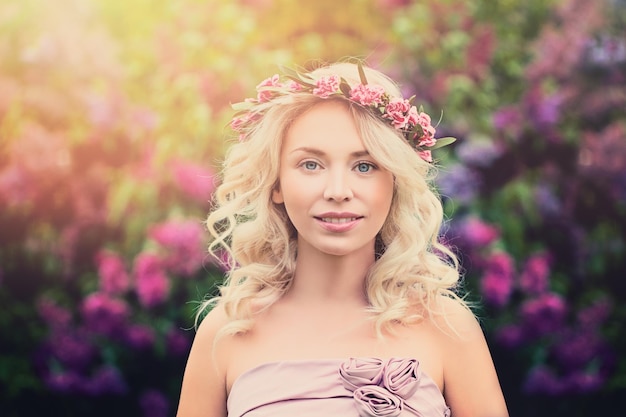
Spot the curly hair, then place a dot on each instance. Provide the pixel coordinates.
(412, 267)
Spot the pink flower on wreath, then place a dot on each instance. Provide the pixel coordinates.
(293, 86)
(426, 155)
(367, 95)
(398, 111)
(266, 95)
(327, 86)
(428, 138)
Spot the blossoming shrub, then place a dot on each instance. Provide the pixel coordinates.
(112, 115)
(535, 185)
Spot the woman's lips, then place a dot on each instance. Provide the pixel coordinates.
(338, 223)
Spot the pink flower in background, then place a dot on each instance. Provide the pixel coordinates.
(367, 95)
(104, 314)
(326, 86)
(196, 181)
(497, 281)
(478, 233)
(112, 273)
(496, 288)
(543, 314)
(151, 283)
(535, 276)
(183, 244)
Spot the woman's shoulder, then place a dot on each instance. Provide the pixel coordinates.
(452, 317)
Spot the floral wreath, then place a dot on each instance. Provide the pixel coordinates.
(414, 125)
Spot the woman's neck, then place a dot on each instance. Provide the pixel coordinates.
(322, 277)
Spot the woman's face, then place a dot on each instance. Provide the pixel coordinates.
(334, 192)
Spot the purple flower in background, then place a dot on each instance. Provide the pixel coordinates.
(152, 285)
(459, 183)
(583, 382)
(543, 110)
(508, 119)
(65, 382)
(479, 153)
(575, 349)
(595, 314)
(183, 243)
(53, 314)
(112, 273)
(542, 380)
(535, 275)
(547, 202)
(72, 348)
(139, 336)
(196, 181)
(177, 342)
(104, 314)
(498, 278)
(544, 314)
(106, 380)
(510, 336)
(154, 404)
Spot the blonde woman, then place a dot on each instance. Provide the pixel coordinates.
(340, 300)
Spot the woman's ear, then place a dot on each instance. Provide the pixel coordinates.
(277, 195)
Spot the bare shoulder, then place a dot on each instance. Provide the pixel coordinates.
(471, 385)
(205, 371)
(456, 320)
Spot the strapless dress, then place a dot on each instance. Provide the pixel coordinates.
(357, 387)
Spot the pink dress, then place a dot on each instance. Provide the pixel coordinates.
(357, 387)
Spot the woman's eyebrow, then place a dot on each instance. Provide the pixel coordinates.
(319, 152)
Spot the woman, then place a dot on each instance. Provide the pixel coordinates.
(340, 299)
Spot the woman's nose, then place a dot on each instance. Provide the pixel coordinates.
(338, 187)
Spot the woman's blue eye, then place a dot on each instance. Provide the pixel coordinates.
(310, 165)
(364, 167)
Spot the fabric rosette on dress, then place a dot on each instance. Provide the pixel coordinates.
(381, 388)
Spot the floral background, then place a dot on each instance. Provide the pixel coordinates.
(112, 119)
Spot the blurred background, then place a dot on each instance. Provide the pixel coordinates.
(113, 115)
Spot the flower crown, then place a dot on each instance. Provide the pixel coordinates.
(414, 125)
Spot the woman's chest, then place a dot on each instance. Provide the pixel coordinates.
(345, 337)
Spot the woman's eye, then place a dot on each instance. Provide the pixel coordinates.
(310, 165)
(364, 167)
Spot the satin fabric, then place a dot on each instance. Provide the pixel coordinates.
(356, 387)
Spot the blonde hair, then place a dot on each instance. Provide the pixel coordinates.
(412, 268)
